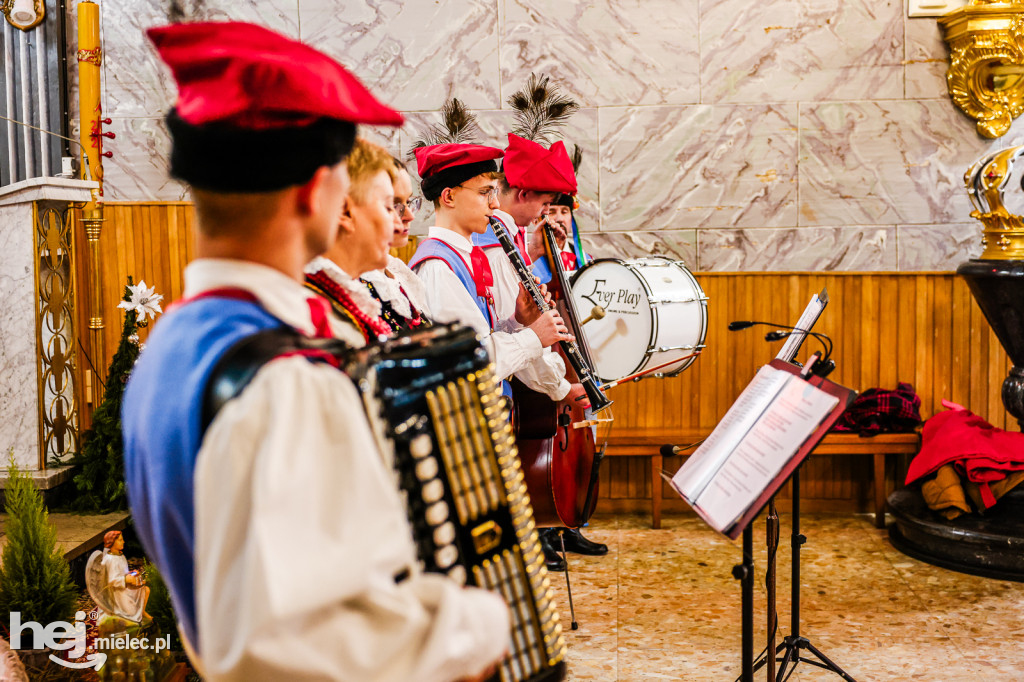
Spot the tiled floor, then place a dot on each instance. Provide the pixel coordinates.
(662, 605)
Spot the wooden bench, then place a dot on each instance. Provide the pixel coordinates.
(648, 442)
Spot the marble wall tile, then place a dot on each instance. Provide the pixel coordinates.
(412, 54)
(698, 166)
(937, 247)
(786, 50)
(675, 244)
(19, 428)
(494, 125)
(138, 170)
(605, 52)
(798, 249)
(927, 59)
(864, 163)
(136, 81)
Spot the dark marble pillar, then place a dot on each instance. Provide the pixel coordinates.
(998, 287)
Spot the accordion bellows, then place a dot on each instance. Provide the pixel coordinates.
(436, 408)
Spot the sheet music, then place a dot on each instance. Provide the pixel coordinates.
(694, 475)
(810, 315)
(793, 415)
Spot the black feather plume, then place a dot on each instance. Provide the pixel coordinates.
(458, 126)
(577, 158)
(540, 109)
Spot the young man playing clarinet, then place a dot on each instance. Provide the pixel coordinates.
(274, 518)
(532, 178)
(462, 182)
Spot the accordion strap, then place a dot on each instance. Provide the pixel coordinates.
(242, 361)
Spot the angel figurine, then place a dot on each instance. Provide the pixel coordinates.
(118, 591)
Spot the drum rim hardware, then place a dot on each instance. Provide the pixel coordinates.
(654, 301)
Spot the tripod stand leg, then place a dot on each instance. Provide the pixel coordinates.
(790, 649)
(826, 663)
(568, 588)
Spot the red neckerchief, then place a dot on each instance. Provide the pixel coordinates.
(520, 240)
(568, 260)
(480, 268)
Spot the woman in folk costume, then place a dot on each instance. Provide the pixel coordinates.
(400, 292)
(364, 235)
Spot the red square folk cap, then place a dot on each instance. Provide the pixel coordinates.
(528, 165)
(448, 165)
(251, 78)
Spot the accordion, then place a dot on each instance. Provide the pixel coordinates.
(437, 411)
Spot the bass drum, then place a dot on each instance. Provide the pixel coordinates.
(654, 312)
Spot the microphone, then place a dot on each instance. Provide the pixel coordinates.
(779, 334)
(670, 450)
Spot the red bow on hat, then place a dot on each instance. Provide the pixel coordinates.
(255, 79)
(528, 165)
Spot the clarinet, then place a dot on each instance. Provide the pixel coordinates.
(598, 400)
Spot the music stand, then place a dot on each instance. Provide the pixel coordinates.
(734, 515)
(793, 643)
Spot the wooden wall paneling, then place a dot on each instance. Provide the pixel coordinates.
(960, 333)
(943, 335)
(906, 333)
(888, 335)
(923, 328)
(924, 337)
(870, 319)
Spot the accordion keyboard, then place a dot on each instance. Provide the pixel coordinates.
(465, 491)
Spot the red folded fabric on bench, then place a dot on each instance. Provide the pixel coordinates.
(979, 452)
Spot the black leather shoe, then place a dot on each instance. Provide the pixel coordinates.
(552, 559)
(575, 542)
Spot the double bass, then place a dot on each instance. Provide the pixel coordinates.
(560, 461)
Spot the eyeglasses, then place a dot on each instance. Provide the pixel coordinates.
(489, 193)
(413, 205)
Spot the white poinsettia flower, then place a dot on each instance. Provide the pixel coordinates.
(143, 301)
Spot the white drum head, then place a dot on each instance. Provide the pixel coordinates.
(618, 342)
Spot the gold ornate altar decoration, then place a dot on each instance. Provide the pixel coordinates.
(986, 64)
(55, 334)
(987, 180)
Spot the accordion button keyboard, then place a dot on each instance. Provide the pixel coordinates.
(446, 556)
(458, 574)
(437, 513)
(433, 491)
(444, 534)
(420, 446)
(426, 469)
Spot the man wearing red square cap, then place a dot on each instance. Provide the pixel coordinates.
(261, 494)
(462, 181)
(532, 178)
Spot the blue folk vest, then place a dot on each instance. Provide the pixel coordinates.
(435, 249)
(161, 420)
